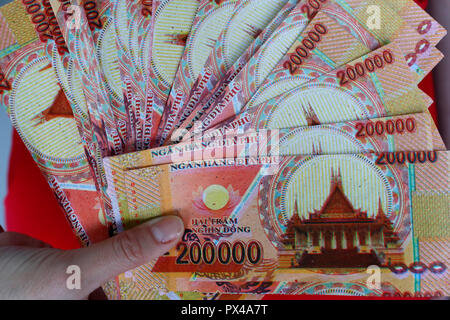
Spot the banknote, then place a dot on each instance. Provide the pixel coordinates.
(361, 136)
(40, 17)
(356, 136)
(101, 134)
(139, 40)
(76, 29)
(285, 73)
(131, 21)
(116, 53)
(100, 20)
(371, 134)
(63, 160)
(334, 97)
(208, 24)
(240, 35)
(170, 27)
(290, 139)
(42, 115)
(141, 43)
(283, 226)
(69, 81)
(422, 23)
(93, 19)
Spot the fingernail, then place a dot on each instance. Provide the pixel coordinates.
(167, 229)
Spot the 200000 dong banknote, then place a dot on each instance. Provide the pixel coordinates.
(401, 133)
(318, 215)
(130, 22)
(76, 30)
(170, 27)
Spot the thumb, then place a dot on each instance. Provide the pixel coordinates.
(130, 249)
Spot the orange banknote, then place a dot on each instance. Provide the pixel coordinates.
(312, 218)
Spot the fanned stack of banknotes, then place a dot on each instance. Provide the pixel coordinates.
(289, 135)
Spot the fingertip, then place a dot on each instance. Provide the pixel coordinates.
(165, 230)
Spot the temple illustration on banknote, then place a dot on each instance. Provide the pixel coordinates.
(340, 236)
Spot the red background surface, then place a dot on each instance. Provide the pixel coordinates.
(32, 209)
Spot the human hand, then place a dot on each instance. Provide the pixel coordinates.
(31, 269)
